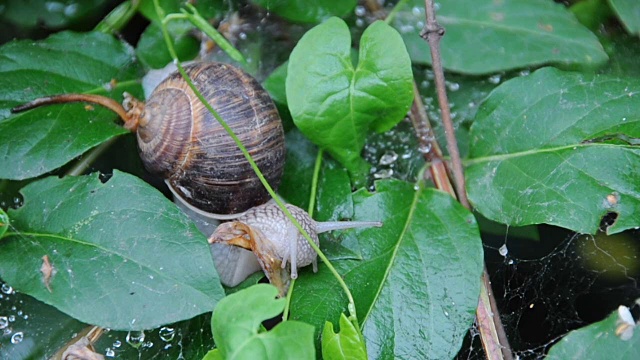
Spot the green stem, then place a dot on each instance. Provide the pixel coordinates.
(392, 14)
(118, 17)
(87, 159)
(287, 304)
(198, 21)
(314, 182)
(255, 168)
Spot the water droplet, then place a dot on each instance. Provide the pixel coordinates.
(147, 345)
(495, 79)
(117, 344)
(166, 333)
(446, 313)
(242, 36)
(453, 86)
(108, 352)
(524, 72)
(135, 338)
(388, 158)
(19, 312)
(4, 322)
(17, 337)
(53, 6)
(424, 148)
(360, 22)
(360, 10)
(5, 288)
(383, 174)
(503, 250)
(12, 318)
(70, 10)
(416, 10)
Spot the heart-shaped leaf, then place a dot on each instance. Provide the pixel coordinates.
(63, 63)
(334, 102)
(558, 148)
(486, 36)
(308, 11)
(629, 13)
(119, 254)
(236, 323)
(601, 340)
(416, 284)
(346, 344)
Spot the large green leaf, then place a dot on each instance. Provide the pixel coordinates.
(38, 141)
(347, 344)
(485, 36)
(236, 323)
(597, 341)
(557, 147)
(629, 13)
(308, 11)
(335, 103)
(124, 256)
(416, 281)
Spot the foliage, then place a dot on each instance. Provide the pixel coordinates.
(556, 145)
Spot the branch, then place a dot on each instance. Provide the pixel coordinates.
(494, 339)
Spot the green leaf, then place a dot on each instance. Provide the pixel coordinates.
(38, 141)
(236, 322)
(308, 11)
(124, 257)
(591, 13)
(417, 283)
(554, 147)
(4, 222)
(629, 13)
(597, 341)
(486, 36)
(214, 354)
(207, 8)
(335, 103)
(152, 50)
(347, 344)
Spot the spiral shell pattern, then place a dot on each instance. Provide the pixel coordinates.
(180, 140)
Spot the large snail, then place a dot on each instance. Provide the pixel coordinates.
(181, 141)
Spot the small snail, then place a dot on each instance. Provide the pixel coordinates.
(181, 141)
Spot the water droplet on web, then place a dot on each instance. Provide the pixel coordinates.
(503, 250)
(4, 322)
(135, 338)
(17, 337)
(70, 10)
(359, 22)
(360, 10)
(117, 344)
(5, 288)
(388, 158)
(12, 318)
(108, 352)
(166, 333)
(416, 10)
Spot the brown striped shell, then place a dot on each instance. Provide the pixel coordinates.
(182, 142)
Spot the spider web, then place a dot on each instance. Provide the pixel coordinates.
(546, 288)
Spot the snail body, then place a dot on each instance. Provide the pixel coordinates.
(278, 245)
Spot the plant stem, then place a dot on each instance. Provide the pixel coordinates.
(392, 14)
(254, 166)
(314, 183)
(87, 159)
(492, 333)
(118, 17)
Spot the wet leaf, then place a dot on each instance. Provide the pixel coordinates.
(346, 344)
(307, 11)
(126, 257)
(63, 63)
(486, 36)
(416, 284)
(4, 222)
(50, 14)
(629, 13)
(597, 341)
(348, 100)
(557, 147)
(236, 326)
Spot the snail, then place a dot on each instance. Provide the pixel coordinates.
(182, 142)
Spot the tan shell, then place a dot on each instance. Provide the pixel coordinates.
(182, 142)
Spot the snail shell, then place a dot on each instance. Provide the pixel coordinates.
(180, 140)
